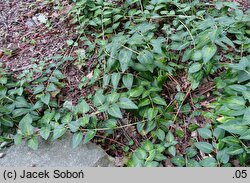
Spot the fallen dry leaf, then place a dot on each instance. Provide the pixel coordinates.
(1, 54)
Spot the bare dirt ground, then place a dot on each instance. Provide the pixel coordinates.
(31, 31)
(25, 37)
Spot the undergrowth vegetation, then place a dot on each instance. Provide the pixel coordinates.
(148, 61)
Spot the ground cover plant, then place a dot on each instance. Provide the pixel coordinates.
(166, 83)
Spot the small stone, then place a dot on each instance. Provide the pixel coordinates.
(194, 134)
(30, 23)
(2, 155)
(42, 18)
(44, 41)
(36, 20)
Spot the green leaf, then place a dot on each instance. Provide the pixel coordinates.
(191, 152)
(144, 102)
(193, 163)
(33, 143)
(84, 120)
(25, 125)
(20, 112)
(159, 157)
(140, 127)
(47, 117)
(152, 113)
(170, 137)
(51, 87)
(99, 98)
(136, 39)
(150, 126)
(218, 133)
(208, 162)
(67, 118)
(59, 131)
(196, 56)
(246, 95)
(19, 91)
(128, 80)
(106, 80)
(160, 148)
(205, 133)
(68, 105)
(235, 150)
(70, 42)
(58, 74)
(124, 58)
(234, 127)
(74, 126)
(135, 162)
(146, 58)
(22, 102)
(246, 117)
(140, 153)
(160, 134)
(151, 155)
(147, 145)
(219, 5)
(222, 156)
(82, 107)
(246, 135)
(238, 88)
(152, 164)
(115, 78)
(145, 27)
(38, 105)
(76, 139)
(157, 44)
(115, 111)
(46, 98)
(186, 56)
(6, 122)
(113, 97)
(208, 52)
(178, 161)
(235, 102)
(136, 92)
(204, 147)
(45, 132)
(230, 140)
(172, 150)
(126, 103)
(139, 67)
(160, 101)
(18, 139)
(3, 80)
(111, 123)
(38, 89)
(89, 135)
(195, 67)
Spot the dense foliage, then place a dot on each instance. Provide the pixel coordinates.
(135, 48)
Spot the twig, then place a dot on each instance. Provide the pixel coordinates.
(188, 32)
(189, 90)
(112, 140)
